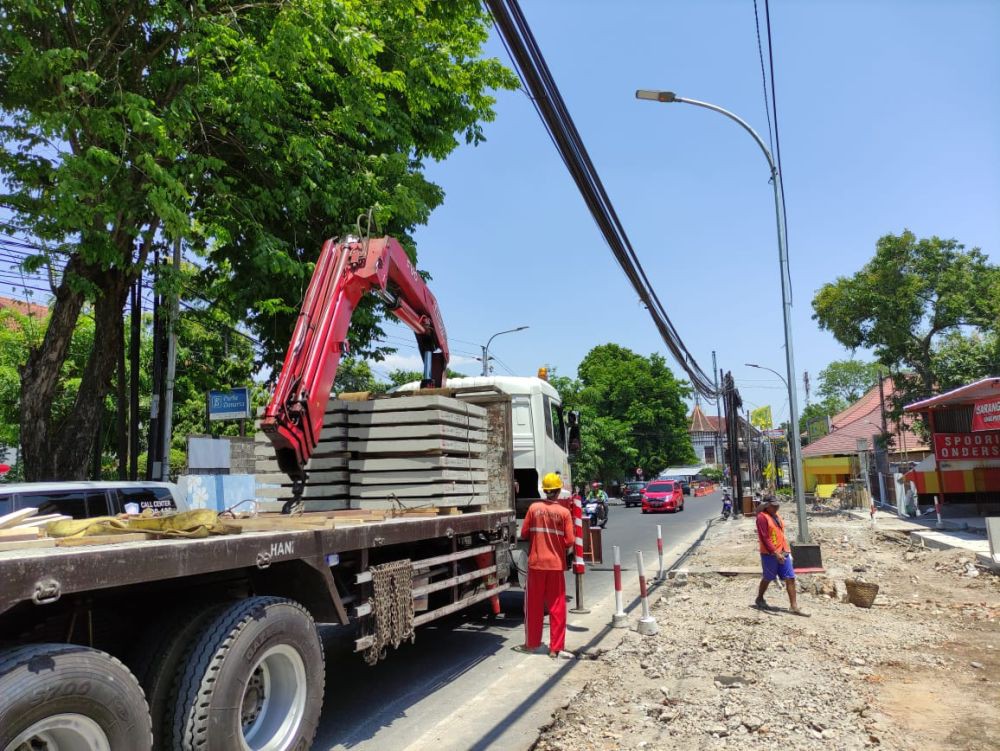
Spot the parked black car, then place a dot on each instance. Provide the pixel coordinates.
(632, 493)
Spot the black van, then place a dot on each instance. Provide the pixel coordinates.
(82, 500)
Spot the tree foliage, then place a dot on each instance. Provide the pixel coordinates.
(907, 301)
(845, 381)
(632, 413)
(251, 131)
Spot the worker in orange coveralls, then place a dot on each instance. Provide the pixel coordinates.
(549, 526)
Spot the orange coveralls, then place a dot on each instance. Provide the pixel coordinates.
(549, 526)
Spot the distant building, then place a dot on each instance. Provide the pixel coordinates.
(707, 436)
(833, 459)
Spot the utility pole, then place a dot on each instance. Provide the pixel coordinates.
(168, 401)
(136, 333)
(153, 446)
(718, 411)
(805, 382)
(121, 416)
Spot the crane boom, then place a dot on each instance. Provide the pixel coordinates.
(344, 272)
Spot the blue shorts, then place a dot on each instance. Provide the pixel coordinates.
(773, 570)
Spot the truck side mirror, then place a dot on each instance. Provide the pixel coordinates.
(573, 432)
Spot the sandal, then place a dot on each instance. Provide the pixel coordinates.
(522, 649)
(760, 604)
(798, 612)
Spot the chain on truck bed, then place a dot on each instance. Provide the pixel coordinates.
(391, 619)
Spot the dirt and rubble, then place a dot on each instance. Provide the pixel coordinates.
(918, 670)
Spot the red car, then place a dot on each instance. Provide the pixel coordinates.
(662, 495)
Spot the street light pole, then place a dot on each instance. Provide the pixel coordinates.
(786, 304)
(796, 460)
(486, 348)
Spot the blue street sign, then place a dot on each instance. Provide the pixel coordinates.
(233, 404)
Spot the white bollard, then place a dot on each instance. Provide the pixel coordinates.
(620, 618)
(647, 623)
(660, 573)
(937, 510)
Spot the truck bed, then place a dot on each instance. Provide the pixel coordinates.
(46, 574)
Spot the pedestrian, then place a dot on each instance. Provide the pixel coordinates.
(549, 527)
(775, 554)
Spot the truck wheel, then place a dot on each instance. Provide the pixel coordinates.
(157, 657)
(254, 680)
(64, 697)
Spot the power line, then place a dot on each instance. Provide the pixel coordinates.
(777, 144)
(763, 75)
(548, 102)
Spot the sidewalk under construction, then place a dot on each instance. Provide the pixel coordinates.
(916, 670)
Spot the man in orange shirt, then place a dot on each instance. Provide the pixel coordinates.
(549, 526)
(775, 554)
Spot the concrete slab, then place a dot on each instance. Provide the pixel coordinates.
(311, 491)
(404, 463)
(317, 463)
(425, 490)
(415, 417)
(416, 446)
(397, 432)
(419, 476)
(315, 478)
(401, 403)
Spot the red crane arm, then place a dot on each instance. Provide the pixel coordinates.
(344, 272)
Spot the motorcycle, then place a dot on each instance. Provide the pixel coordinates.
(727, 507)
(596, 511)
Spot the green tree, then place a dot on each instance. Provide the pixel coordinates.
(632, 411)
(961, 358)
(251, 131)
(846, 381)
(354, 374)
(904, 301)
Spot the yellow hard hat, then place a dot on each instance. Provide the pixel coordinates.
(551, 481)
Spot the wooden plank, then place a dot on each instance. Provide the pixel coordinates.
(417, 402)
(420, 476)
(416, 463)
(401, 432)
(21, 533)
(11, 519)
(38, 542)
(415, 417)
(73, 542)
(416, 446)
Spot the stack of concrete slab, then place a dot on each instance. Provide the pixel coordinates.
(327, 486)
(413, 451)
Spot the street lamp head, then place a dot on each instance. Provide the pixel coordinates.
(751, 365)
(656, 96)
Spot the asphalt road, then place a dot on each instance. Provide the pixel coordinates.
(460, 685)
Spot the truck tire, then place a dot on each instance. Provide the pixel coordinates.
(71, 698)
(254, 680)
(157, 657)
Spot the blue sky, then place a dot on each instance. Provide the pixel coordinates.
(889, 118)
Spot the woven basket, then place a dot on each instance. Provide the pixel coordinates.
(862, 594)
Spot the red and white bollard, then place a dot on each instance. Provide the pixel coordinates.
(647, 623)
(937, 510)
(871, 512)
(578, 567)
(660, 573)
(620, 618)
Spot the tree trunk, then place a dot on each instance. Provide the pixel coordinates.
(62, 452)
(40, 380)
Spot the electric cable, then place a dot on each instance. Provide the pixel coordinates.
(536, 77)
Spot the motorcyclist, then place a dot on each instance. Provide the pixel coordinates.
(596, 493)
(727, 504)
